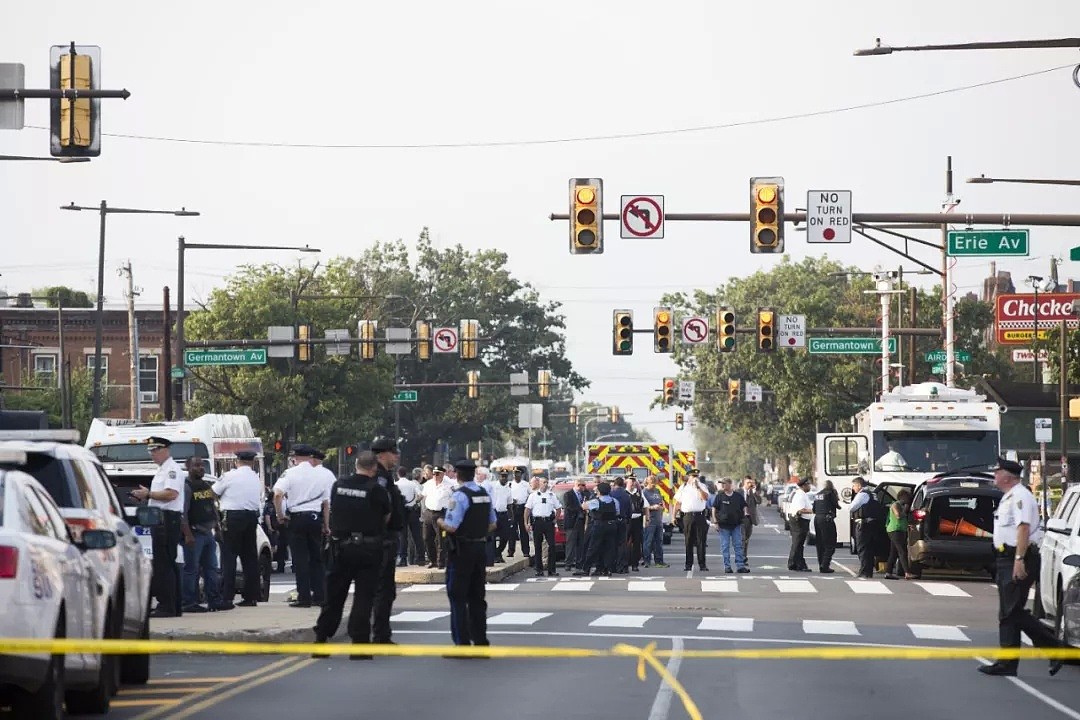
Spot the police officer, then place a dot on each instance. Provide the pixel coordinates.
(1016, 534)
(539, 517)
(199, 526)
(359, 514)
(308, 517)
(387, 458)
(603, 518)
(826, 503)
(869, 517)
(166, 492)
(467, 524)
(241, 497)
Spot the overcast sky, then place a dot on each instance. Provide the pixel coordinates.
(437, 94)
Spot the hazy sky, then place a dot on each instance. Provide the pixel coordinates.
(426, 87)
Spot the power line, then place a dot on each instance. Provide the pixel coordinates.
(583, 138)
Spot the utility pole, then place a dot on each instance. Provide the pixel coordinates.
(133, 341)
(166, 352)
(947, 290)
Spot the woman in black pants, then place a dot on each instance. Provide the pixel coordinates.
(896, 526)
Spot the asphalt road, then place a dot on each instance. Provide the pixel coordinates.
(769, 608)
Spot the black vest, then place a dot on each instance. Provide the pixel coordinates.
(606, 512)
(397, 501)
(823, 504)
(474, 526)
(202, 511)
(872, 510)
(358, 505)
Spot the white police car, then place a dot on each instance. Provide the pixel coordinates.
(49, 588)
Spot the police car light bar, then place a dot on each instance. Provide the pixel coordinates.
(12, 457)
(51, 435)
(936, 417)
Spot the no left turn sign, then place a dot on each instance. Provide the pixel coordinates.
(642, 216)
(445, 340)
(695, 330)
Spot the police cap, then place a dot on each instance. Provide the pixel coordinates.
(1009, 466)
(156, 443)
(302, 450)
(383, 444)
(693, 471)
(245, 454)
(438, 469)
(318, 454)
(464, 464)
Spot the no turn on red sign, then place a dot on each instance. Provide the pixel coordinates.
(791, 331)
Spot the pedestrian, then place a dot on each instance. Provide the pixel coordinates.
(799, 510)
(411, 545)
(603, 517)
(308, 519)
(166, 491)
(500, 501)
(728, 512)
(691, 499)
(198, 526)
(387, 457)
(435, 495)
(896, 525)
(574, 522)
(484, 482)
(1016, 537)
(753, 500)
(653, 530)
(360, 511)
(826, 503)
(868, 515)
(519, 493)
(467, 525)
(635, 530)
(622, 527)
(240, 494)
(539, 517)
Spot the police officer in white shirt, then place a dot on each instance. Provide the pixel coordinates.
(1016, 534)
(240, 494)
(519, 493)
(411, 543)
(500, 501)
(692, 498)
(166, 492)
(436, 494)
(309, 520)
(539, 515)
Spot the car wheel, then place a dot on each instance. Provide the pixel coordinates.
(1059, 628)
(48, 702)
(135, 669)
(266, 568)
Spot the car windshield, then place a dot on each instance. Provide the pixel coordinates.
(137, 452)
(933, 450)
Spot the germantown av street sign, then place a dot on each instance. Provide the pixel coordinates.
(848, 346)
(238, 356)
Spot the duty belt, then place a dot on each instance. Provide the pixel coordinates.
(361, 539)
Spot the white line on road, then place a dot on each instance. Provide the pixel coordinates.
(829, 627)
(727, 624)
(794, 586)
(938, 632)
(418, 616)
(662, 703)
(719, 586)
(622, 621)
(942, 589)
(573, 587)
(424, 587)
(1038, 695)
(845, 568)
(516, 618)
(868, 587)
(497, 587)
(646, 586)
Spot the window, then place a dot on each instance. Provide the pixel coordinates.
(148, 376)
(104, 367)
(59, 527)
(45, 367)
(83, 478)
(842, 455)
(37, 517)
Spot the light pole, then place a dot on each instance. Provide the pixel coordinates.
(1034, 281)
(880, 49)
(183, 245)
(30, 158)
(983, 180)
(105, 210)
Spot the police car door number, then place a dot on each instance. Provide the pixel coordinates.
(140, 530)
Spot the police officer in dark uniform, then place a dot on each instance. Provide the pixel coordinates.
(869, 516)
(467, 523)
(359, 513)
(603, 519)
(826, 503)
(387, 457)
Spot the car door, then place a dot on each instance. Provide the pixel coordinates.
(1055, 545)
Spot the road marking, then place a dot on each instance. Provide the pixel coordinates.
(497, 587)
(144, 703)
(868, 587)
(719, 586)
(131, 691)
(423, 587)
(662, 703)
(193, 681)
(845, 568)
(727, 624)
(829, 627)
(1038, 695)
(623, 621)
(254, 674)
(238, 689)
(418, 616)
(938, 632)
(573, 587)
(516, 618)
(646, 586)
(794, 586)
(942, 589)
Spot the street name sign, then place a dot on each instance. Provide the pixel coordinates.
(938, 356)
(406, 396)
(985, 243)
(938, 369)
(828, 216)
(848, 346)
(236, 356)
(791, 331)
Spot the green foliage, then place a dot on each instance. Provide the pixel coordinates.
(40, 392)
(70, 298)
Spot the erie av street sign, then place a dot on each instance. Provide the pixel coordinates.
(938, 356)
(984, 243)
(236, 356)
(405, 396)
(848, 346)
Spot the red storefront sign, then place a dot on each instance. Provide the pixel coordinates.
(1014, 315)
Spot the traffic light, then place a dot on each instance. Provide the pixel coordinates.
(586, 216)
(423, 340)
(678, 421)
(74, 125)
(725, 329)
(573, 415)
(662, 320)
(767, 215)
(350, 451)
(543, 381)
(305, 351)
(474, 384)
(613, 414)
(367, 338)
(766, 329)
(278, 446)
(622, 332)
(733, 391)
(669, 391)
(468, 336)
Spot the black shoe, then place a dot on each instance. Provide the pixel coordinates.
(431, 566)
(1055, 666)
(744, 569)
(553, 574)
(195, 609)
(221, 608)
(703, 569)
(298, 604)
(688, 568)
(319, 640)
(159, 613)
(998, 669)
(827, 570)
(247, 603)
(728, 570)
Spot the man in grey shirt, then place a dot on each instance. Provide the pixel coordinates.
(653, 540)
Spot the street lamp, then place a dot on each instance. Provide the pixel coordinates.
(880, 49)
(1034, 281)
(29, 158)
(105, 210)
(183, 245)
(983, 180)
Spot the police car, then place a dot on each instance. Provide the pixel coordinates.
(49, 588)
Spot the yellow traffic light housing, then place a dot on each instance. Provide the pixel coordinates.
(622, 333)
(543, 381)
(613, 414)
(468, 342)
(733, 387)
(586, 216)
(366, 332)
(305, 351)
(669, 391)
(74, 124)
(663, 319)
(725, 329)
(679, 421)
(573, 415)
(767, 215)
(474, 384)
(766, 329)
(423, 341)
(1074, 408)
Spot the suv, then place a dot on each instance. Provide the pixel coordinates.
(1061, 540)
(78, 485)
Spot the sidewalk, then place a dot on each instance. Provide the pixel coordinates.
(275, 621)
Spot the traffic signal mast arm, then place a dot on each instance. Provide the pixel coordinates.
(1006, 219)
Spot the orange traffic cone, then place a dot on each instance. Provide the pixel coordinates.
(963, 527)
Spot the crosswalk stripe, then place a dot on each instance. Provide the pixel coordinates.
(829, 627)
(646, 586)
(938, 632)
(794, 586)
(719, 586)
(517, 618)
(868, 587)
(423, 587)
(727, 624)
(499, 587)
(419, 616)
(623, 621)
(573, 586)
(942, 589)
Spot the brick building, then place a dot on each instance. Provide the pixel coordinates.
(30, 346)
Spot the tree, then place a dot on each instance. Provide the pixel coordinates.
(69, 298)
(42, 392)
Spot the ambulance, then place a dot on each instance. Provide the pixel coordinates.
(641, 459)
